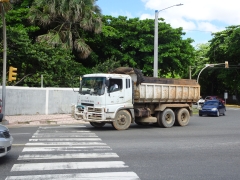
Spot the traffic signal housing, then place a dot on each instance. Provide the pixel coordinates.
(226, 64)
(12, 74)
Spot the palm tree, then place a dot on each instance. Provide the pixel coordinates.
(66, 20)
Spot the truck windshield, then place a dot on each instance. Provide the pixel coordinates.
(92, 85)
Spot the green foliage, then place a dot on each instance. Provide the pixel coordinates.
(131, 42)
(225, 47)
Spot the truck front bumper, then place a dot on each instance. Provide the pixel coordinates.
(91, 114)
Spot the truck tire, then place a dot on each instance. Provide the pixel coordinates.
(97, 125)
(182, 117)
(167, 119)
(159, 119)
(122, 120)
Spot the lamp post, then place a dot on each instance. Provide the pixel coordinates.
(212, 65)
(155, 66)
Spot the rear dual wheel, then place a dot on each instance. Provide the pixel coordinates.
(166, 118)
(182, 117)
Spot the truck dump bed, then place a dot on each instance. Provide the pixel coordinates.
(151, 89)
(178, 91)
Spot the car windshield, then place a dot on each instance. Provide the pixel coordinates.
(211, 103)
(92, 85)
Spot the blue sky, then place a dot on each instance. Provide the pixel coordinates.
(197, 18)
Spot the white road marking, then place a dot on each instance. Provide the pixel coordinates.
(58, 127)
(67, 156)
(67, 139)
(75, 148)
(67, 165)
(62, 131)
(65, 144)
(82, 176)
(65, 135)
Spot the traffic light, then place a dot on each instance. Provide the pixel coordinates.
(12, 74)
(226, 64)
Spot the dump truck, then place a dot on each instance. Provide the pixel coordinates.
(137, 99)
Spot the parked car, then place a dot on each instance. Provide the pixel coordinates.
(200, 102)
(5, 140)
(212, 107)
(207, 98)
(5, 137)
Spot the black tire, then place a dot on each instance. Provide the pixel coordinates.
(218, 113)
(122, 120)
(97, 125)
(167, 118)
(159, 118)
(182, 117)
(200, 114)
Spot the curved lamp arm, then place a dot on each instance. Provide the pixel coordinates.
(207, 65)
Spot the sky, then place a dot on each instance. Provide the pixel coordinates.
(199, 19)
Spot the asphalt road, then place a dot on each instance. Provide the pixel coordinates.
(208, 148)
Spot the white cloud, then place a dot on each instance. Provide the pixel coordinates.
(204, 15)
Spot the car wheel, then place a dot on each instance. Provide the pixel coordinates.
(218, 114)
(200, 114)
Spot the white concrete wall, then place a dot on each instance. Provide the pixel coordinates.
(30, 101)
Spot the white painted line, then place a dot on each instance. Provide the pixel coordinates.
(65, 144)
(67, 156)
(65, 135)
(67, 165)
(58, 127)
(66, 139)
(82, 176)
(62, 131)
(74, 148)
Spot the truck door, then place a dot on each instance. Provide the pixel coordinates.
(115, 94)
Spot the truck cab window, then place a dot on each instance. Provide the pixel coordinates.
(115, 85)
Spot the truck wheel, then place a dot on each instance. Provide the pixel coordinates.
(97, 125)
(122, 120)
(159, 118)
(182, 117)
(167, 118)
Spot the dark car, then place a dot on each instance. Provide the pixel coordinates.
(212, 107)
(207, 98)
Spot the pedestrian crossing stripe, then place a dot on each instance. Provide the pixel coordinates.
(66, 139)
(80, 176)
(68, 165)
(67, 156)
(70, 148)
(65, 143)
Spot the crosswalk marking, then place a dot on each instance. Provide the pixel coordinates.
(64, 143)
(67, 139)
(61, 126)
(58, 146)
(65, 135)
(75, 148)
(67, 165)
(67, 156)
(82, 176)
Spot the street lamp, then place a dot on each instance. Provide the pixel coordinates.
(155, 72)
(212, 65)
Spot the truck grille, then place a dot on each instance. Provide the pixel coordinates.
(95, 113)
(6, 134)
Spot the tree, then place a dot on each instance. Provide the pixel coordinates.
(65, 22)
(225, 47)
(131, 42)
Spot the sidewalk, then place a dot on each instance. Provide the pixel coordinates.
(53, 119)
